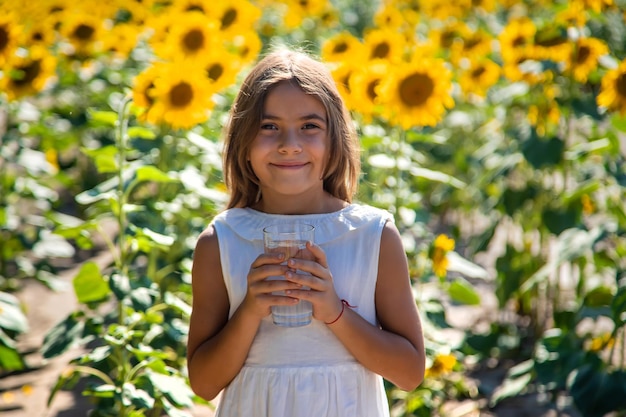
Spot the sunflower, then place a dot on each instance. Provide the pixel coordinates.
(9, 34)
(551, 43)
(27, 74)
(384, 44)
(479, 77)
(597, 5)
(573, 16)
(83, 30)
(417, 92)
(584, 57)
(516, 38)
(298, 10)
(441, 10)
(442, 364)
(343, 47)
(143, 84)
(363, 85)
(613, 89)
(182, 95)
(341, 74)
(235, 17)
(186, 6)
(446, 37)
(247, 46)
(221, 67)
(525, 68)
(193, 36)
(399, 16)
(39, 32)
(122, 39)
(438, 251)
(475, 44)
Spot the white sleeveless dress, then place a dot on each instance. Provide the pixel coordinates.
(305, 371)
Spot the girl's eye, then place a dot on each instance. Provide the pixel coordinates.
(268, 126)
(310, 126)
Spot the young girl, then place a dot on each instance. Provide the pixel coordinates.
(291, 153)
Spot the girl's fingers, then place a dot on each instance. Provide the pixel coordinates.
(320, 255)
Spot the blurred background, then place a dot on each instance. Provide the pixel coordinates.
(495, 132)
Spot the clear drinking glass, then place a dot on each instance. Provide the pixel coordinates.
(290, 238)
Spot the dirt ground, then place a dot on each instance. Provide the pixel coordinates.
(25, 394)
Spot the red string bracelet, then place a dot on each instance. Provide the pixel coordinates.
(344, 303)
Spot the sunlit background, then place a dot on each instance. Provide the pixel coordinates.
(495, 132)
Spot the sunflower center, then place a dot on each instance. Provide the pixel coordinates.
(416, 89)
(447, 38)
(181, 95)
(37, 36)
(340, 48)
(229, 18)
(620, 85)
(471, 43)
(477, 72)
(583, 54)
(27, 73)
(381, 50)
(146, 94)
(371, 89)
(193, 40)
(195, 8)
(519, 41)
(215, 71)
(4, 38)
(83, 32)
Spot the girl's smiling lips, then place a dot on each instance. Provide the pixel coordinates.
(289, 165)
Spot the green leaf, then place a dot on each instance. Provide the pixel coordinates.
(89, 284)
(584, 148)
(11, 315)
(137, 397)
(141, 132)
(174, 387)
(510, 388)
(120, 285)
(63, 336)
(10, 359)
(596, 392)
(462, 292)
(176, 302)
(105, 158)
(619, 122)
(437, 176)
(107, 118)
(540, 152)
(158, 238)
(599, 297)
(142, 298)
(618, 307)
(152, 173)
(457, 263)
(173, 411)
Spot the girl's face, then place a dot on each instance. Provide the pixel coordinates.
(291, 148)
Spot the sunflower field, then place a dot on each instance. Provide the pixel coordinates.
(495, 132)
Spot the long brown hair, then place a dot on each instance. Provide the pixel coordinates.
(313, 77)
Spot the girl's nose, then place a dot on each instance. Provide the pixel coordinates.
(289, 141)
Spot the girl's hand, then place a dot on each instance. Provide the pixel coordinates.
(259, 297)
(322, 294)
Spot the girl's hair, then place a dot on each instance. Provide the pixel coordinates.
(314, 78)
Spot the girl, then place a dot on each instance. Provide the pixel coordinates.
(291, 153)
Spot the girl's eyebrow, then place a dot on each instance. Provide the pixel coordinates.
(312, 116)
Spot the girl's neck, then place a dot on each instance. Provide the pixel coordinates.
(297, 205)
